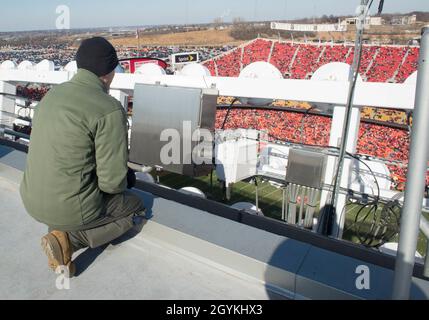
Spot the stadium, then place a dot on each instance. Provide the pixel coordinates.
(290, 142)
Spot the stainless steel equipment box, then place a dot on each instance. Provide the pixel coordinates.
(172, 114)
(306, 168)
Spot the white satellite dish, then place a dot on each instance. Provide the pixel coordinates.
(334, 71)
(260, 70)
(412, 79)
(362, 177)
(273, 160)
(45, 65)
(195, 70)
(26, 65)
(71, 66)
(8, 65)
(145, 177)
(248, 207)
(193, 192)
(150, 69)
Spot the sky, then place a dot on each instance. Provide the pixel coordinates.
(40, 15)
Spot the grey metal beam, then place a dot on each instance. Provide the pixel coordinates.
(424, 226)
(419, 150)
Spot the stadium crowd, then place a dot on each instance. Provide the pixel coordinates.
(230, 65)
(374, 140)
(164, 53)
(301, 60)
(59, 54)
(294, 60)
(282, 56)
(62, 54)
(256, 51)
(409, 66)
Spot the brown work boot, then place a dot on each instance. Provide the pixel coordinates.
(58, 248)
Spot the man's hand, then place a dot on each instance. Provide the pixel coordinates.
(131, 179)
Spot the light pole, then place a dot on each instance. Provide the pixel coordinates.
(417, 170)
(354, 73)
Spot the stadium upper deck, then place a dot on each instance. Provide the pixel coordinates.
(294, 59)
(300, 60)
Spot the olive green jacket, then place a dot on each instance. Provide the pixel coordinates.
(78, 153)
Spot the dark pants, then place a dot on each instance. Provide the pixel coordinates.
(118, 219)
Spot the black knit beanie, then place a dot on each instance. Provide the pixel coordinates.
(97, 55)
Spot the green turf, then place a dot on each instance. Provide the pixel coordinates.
(270, 201)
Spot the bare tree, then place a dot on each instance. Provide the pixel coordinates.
(218, 22)
(238, 21)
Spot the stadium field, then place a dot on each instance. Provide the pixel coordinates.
(270, 202)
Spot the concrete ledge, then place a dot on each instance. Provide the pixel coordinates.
(280, 283)
(286, 268)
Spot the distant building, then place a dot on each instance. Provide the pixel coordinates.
(119, 34)
(370, 21)
(404, 20)
(376, 21)
(309, 27)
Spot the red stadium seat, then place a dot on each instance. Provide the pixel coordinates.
(374, 140)
(379, 63)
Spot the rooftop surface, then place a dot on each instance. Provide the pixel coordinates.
(138, 268)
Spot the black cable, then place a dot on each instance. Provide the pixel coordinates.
(387, 226)
(224, 190)
(303, 123)
(359, 156)
(346, 125)
(380, 7)
(370, 170)
(365, 238)
(366, 156)
(370, 5)
(377, 233)
(372, 205)
(330, 209)
(228, 112)
(304, 144)
(390, 210)
(383, 230)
